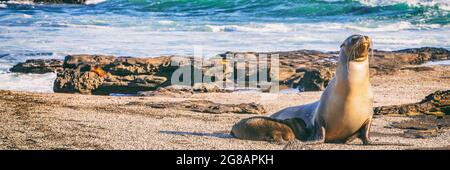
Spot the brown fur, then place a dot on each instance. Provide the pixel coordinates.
(269, 129)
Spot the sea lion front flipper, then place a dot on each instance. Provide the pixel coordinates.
(364, 132)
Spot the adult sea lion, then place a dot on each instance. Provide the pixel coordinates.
(344, 111)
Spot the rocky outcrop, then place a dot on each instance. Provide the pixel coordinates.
(38, 66)
(206, 106)
(315, 79)
(317, 67)
(437, 103)
(307, 70)
(311, 70)
(97, 74)
(425, 54)
(388, 62)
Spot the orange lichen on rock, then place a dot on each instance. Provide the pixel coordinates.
(99, 71)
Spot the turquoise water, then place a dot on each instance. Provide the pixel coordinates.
(174, 27)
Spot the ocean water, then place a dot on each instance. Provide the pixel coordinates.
(143, 28)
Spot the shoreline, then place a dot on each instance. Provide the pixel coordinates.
(306, 70)
(74, 121)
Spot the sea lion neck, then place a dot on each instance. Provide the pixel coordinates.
(351, 72)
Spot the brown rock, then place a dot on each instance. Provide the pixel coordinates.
(423, 126)
(98, 74)
(293, 66)
(129, 84)
(136, 66)
(171, 91)
(64, 82)
(286, 74)
(437, 101)
(428, 53)
(74, 61)
(72, 81)
(315, 79)
(87, 82)
(310, 70)
(388, 62)
(38, 66)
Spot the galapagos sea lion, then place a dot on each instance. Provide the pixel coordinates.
(269, 129)
(344, 111)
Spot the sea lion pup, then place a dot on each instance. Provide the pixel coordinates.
(344, 111)
(269, 129)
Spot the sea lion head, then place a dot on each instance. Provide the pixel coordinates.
(356, 48)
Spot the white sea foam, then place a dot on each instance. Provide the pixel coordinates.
(249, 28)
(369, 27)
(21, 2)
(2, 5)
(89, 2)
(442, 4)
(365, 26)
(27, 82)
(166, 22)
(4, 66)
(82, 26)
(27, 16)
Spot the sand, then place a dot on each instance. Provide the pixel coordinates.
(72, 121)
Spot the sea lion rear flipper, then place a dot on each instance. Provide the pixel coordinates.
(298, 125)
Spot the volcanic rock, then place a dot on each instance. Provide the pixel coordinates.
(38, 66)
